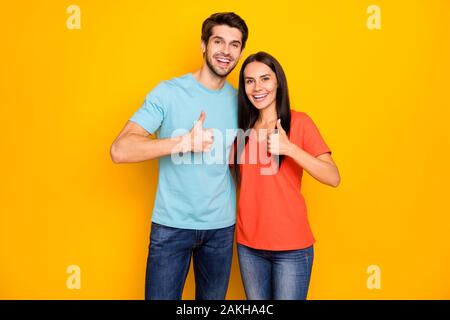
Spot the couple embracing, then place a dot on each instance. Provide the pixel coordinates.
(194, 215)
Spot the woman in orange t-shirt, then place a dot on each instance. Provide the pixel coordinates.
(274, 145)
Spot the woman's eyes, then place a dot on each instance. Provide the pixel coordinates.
(250, 81)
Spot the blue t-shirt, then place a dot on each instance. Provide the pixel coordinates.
(195, 190)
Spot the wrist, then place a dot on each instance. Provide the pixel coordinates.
(292, 147)
(184, 143)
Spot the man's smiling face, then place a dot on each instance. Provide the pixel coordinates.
(223, 50)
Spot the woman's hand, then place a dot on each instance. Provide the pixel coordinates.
(321, 167)
(278, 143)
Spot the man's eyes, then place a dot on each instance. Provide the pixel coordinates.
(235, 45)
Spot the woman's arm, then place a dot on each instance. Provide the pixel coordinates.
(321, 167)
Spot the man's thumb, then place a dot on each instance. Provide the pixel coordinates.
(201, 119)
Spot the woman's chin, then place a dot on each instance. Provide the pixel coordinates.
(260, 106)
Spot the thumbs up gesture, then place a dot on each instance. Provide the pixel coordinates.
(278, 142)
(201, 140)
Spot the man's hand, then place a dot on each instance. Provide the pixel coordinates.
(199, 139)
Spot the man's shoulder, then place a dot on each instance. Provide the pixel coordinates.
(230, 88)
(178, 80)
(188, 80)
(187, 85)
(170, 83)
(168, 87)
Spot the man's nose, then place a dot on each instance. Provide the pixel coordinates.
(226, 49)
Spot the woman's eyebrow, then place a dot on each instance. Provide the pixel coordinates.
(264, 75)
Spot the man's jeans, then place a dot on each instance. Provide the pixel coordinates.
(275, 275)
(169, 259)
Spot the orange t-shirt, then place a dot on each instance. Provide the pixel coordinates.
(272, 212)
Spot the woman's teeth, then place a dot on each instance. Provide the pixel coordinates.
(260, 97)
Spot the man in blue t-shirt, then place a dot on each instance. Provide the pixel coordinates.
(194, 118)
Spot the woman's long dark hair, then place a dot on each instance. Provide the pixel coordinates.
(248, 114)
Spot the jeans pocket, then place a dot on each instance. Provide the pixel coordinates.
(157, 233)
(310, 252)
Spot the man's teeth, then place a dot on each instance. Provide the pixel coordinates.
(224, 60)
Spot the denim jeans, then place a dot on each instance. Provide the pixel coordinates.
(169, 258)
(275, 275)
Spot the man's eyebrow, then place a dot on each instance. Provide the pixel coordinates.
(219, 37)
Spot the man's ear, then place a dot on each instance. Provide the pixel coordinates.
(203, 46)
(241, 54)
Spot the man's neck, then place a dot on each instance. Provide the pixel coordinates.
(208, 79)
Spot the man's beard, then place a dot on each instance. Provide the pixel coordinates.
(214, 70)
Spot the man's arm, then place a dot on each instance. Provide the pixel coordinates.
(135, 145)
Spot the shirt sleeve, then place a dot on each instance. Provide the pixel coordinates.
(313, 143)
(152, 112)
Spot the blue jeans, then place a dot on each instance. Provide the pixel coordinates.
(169, 258)
(275, 275)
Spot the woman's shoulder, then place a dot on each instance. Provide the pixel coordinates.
(298, 117)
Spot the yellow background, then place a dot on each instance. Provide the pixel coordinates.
(379, 97)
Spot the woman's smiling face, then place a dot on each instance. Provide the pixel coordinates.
(260, 85)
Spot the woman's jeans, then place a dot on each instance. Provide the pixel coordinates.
(169, 259)
(275, 275)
